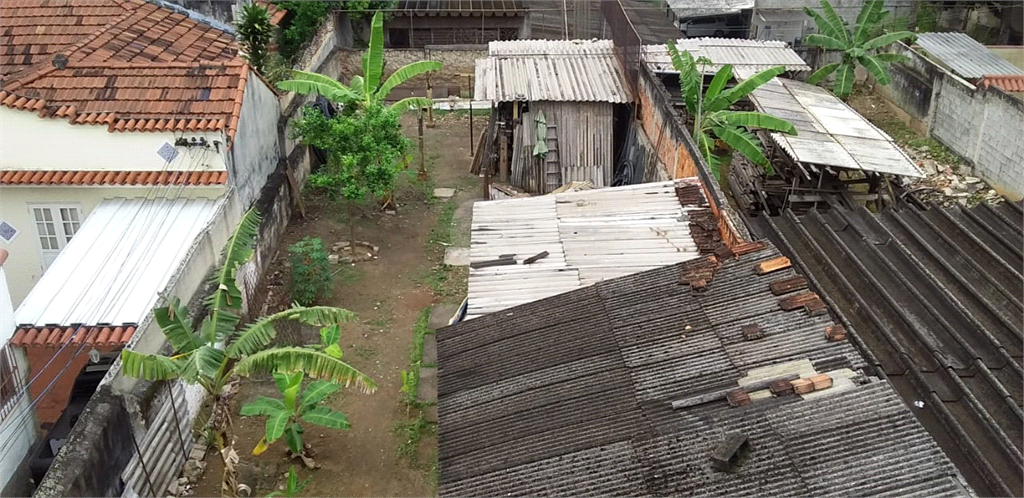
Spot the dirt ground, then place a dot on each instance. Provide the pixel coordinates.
(387, 294)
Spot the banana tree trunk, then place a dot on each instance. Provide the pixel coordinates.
(226, 447)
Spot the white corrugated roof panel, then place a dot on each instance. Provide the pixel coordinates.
(697, 8)
(590, 235)
(550, 70)
(754, 55)
(829, 132)
(965, 55)
(112, 269)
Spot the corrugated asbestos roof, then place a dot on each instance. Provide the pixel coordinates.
(697, 8)
(551, 70)
(755, 55)
(456, 8)
(829, 132)
(965, 56)
(936, 296)
(590, 236)
(112, 269)
(570, 396)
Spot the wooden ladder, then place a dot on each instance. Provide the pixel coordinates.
(552, 162)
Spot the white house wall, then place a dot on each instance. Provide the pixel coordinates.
(24, 265)
(255, 152)
(34, 143)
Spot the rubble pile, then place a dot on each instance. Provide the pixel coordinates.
(944, 185)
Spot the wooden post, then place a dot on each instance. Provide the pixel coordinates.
(487, 181)
(423, 166)
(430, 109)
(503, 143)
(471, 127)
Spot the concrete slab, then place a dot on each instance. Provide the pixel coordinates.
(430, 413)
(429, 350)
(444, 193)
(427, 392)
(456, 256)
(440, 315)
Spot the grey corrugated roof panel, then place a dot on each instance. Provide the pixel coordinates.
(551, 70)
(698, 8)
(753, 55)
(942, 267)
(457, 8)
(965, 55)
(829, 132)
(528, 398)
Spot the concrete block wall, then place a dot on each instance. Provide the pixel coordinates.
(982, 126)
(459, 65)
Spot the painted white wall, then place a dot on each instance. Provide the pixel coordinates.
(34, 143)
(24, 265)
(17, 432)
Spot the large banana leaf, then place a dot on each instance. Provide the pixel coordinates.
(305, 83)
(718, 82)
(888, 39)
(263, 406)
(758, 120)
(690, 78)
(289, 384)
(868, 17)
(316, 392)
(835, 22)
(219, 331)
(149, 366)
(375, 54)
(844, 80)
(876, 68)
(174, 322)
(326, 417)
(315, 364)
(706, 149)
(258, 334)
(410, 103)
(824, 41)
(237, 251)
(743, 142)
(405, 73)
(275, 425)
(730, 96)
(826, 26)
(203, 363)
(822, 73)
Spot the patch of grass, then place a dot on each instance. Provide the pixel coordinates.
(349, 274)
(460, 112)
(441, 235)
(411, 432)
(379, 322)
(411, 379)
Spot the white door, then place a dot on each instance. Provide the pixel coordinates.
(55, 226)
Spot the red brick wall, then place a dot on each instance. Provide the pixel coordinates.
(65, 368)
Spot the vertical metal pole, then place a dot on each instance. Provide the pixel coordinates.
(423, 166)
(471, 127)
(177, 422)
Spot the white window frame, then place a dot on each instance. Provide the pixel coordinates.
(61, 235)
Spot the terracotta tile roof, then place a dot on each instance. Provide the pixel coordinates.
(36, 177)
(1006, 82)
(138, 67)
(276, 13)
(53, 337)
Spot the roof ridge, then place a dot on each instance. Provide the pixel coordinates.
(195, 16)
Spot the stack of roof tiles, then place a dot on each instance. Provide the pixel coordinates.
(936, 296)
(571, 395)
(127, 64)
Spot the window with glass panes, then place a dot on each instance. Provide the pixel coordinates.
(55, 226)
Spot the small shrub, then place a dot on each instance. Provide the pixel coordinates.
(255, 32)
(311, 271)
(276, 68)
(303, 20)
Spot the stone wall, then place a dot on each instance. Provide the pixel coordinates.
(983, 126)
(459, 67)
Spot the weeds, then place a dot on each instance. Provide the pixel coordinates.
(441, 235)
(349, 274)
(365, 352)
(411, 379)
(411, 432)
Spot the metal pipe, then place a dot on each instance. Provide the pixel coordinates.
(470, 127)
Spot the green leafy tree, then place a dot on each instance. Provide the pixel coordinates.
(368, 89)
(303, 20)
(713, 117)
(292, 486)
(311, 271)
(365, 148)
(200, 357)
(858, 45)
(255, 32)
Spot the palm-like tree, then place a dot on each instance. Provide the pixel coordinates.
(857, 45)
(199, 355)
(367, 89)
(713, 117)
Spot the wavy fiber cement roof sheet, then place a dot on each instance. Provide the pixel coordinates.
(757, 55)
(965, 55)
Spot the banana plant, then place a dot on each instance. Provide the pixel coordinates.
(713, 117)
(367, 89)
(200, 357)
(296, 406)
(858, 45)
(292, 486)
